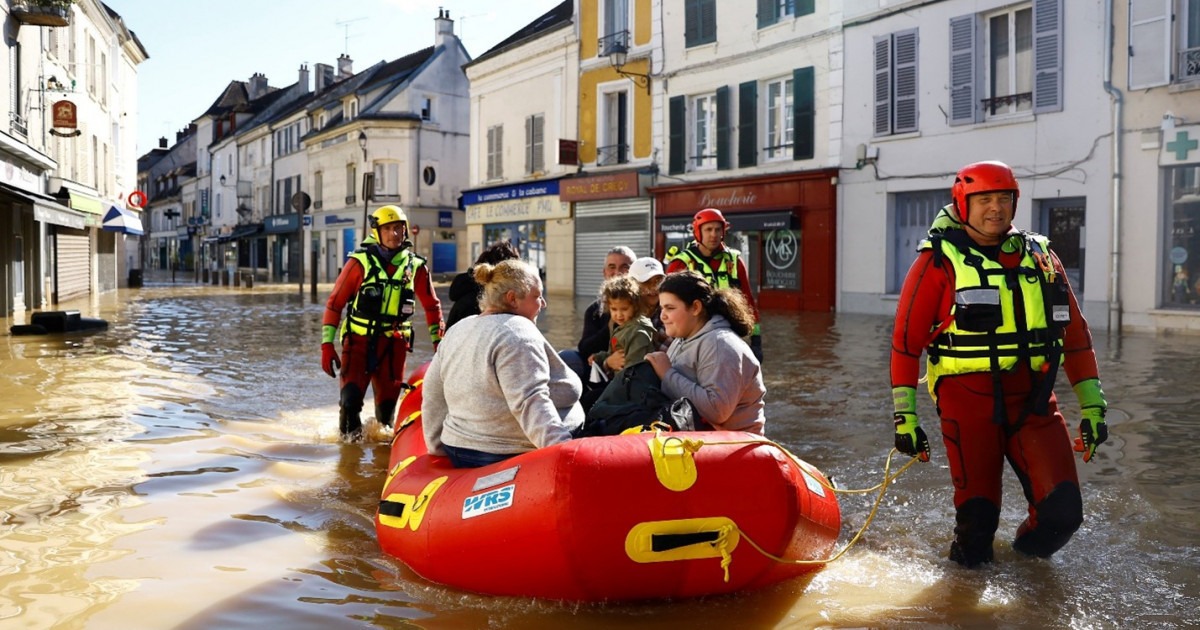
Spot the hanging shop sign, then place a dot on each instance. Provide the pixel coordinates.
(66, 122)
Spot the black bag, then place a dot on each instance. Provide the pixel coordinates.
(634, 398)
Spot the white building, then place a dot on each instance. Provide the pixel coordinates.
(524, 101)
(931, 87)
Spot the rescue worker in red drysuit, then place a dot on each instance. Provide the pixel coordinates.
(991, 307)
(378, 285)
(722, 266)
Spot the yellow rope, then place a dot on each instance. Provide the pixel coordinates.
(888, 478)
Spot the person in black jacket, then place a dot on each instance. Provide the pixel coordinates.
(465, 292)
(595, 335)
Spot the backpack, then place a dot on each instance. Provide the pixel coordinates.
(634, 398)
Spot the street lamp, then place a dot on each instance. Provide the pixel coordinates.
(617, 57)
(222, 180)
(362, 142)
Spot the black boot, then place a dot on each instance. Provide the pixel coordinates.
(384, 412)
(349, 421)
(1058, 516)
(977, 520)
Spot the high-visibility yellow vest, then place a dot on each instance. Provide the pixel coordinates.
(725, 273)
(384, 303)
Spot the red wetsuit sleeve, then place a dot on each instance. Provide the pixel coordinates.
(343, 291)
(429, 299)
(925, 301)
(744, 284)
(676, 266)
(1079, 358)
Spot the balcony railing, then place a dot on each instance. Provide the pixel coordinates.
(42, 12)
(614, 43)
(993, 104)
(350, 199)
(1189, 64)
(612, 155)
(17, 124)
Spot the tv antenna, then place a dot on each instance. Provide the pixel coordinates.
(346, 24)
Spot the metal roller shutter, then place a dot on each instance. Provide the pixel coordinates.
(601, 226)
(72, 269)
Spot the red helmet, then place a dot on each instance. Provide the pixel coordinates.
(981, 177)
(707, 215)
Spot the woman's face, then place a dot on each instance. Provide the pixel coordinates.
(530, 305)
(681, 320)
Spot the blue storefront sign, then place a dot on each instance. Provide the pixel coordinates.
(508, 193)
(445, 219)
(282, 223)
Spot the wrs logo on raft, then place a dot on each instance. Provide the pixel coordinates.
(489, 501)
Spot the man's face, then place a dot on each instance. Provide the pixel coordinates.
(712, 234)
(391, 235)
(616, 265)
(991, 214)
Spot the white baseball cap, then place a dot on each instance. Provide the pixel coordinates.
(643, 269)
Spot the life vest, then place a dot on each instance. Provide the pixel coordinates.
(384, 303)
(1000, 316)
(722, 274)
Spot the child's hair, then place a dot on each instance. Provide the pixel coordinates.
(622, 287)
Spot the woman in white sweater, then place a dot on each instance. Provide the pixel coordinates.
(496, 388)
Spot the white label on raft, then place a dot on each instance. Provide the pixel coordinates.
(490, 501)
(495, 479)
(814, 486)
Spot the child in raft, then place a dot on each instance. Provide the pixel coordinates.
(632, 334)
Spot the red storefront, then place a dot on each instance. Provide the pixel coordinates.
(784, 225)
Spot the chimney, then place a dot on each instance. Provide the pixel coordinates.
(257, 86)
(344, 67)
(443, 28)
(162, 142)
(324, 76)
(302, 80)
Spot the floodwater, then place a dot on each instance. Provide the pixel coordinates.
(182, 470)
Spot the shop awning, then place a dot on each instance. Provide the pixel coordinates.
(120, 220)
(45, 208)
(242, 231)
(84, 203)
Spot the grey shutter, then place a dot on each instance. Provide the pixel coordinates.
(766, 13)
(528, 144)
(963, 109)
(804, 125)
(500, 151)
(1149, 43)
(677, 160)
(1047, 56)
(539, 143)
(724, 130)
(883, 85)
(747, 124)
(906, 82)
(491, 153)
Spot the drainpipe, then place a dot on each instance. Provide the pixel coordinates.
(1114, 289)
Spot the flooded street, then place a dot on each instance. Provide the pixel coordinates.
(182, 469)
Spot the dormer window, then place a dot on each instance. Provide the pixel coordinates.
(351, 109)
(426, 109)
(321, 120)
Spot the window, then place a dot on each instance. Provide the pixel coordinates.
(1189, 53)
(704, 125)
(387, 179)
(772, 11)
(495, 152)
(535, 154)
(1182, 255)
(779, 119)
(614, 129)
(318, 194)
(103, 88)
(700, 22)
(91, 65)
(351, 109)
(351, 182)
(426, 109)
(896, 83)
(616, 21)
(1002, 63)
(17, 121)
(1150, 42)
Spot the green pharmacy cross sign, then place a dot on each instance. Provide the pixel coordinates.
(1181, 145)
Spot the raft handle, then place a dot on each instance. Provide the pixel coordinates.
(667, 542)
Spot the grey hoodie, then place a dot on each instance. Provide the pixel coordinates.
(716, 370)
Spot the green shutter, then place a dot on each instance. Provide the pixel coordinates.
(724, 130)
(691, 23)
(804, 126)
(766, 13)
(805, 7)
(748, 124)
(677, 156)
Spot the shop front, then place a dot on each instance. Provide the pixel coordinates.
(283, 236)
(529, 216)
(610, 210)
(1179, 162)
(784, 226)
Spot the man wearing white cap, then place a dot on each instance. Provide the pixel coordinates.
(649, 274)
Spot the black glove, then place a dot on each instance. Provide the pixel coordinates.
(756, 347)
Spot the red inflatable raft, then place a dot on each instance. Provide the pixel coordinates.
(629, 517)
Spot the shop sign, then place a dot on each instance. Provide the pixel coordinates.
(281, 223)
(508, 193)
(445, 219)
(733, 198)
(64, 119)
(781, 254)
(616, 186)
(534, 209)
(1181, 145)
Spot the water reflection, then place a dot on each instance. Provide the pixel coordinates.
(183, 469)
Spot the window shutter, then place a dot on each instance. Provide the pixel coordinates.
(708, 21)
(963, 109)
(677, 159)
(804, 114)
(491, 153)
(528, 144)
(724, 130)
(747, 124)
(766, 13)
(691, 22)
(883, 85)
(500, 151)
(539, 143)
(1047, 56)
(805, 7)
(906, 82)
(1149, 43)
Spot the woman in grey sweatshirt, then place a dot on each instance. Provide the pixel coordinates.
(708, 362)
(495, 387)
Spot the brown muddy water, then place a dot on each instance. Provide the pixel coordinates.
(182, 470)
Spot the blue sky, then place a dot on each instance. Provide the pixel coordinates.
(196, 49)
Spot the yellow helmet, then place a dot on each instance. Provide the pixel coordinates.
(386, 215)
